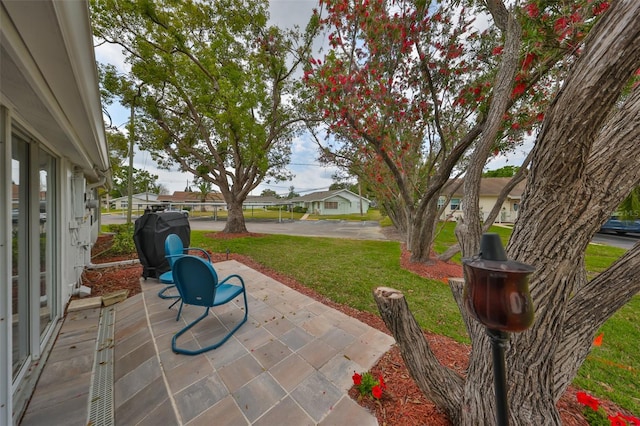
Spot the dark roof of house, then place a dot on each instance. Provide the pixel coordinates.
(258, 199)
(184, 196)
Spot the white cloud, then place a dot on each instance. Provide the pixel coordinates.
(511, 158)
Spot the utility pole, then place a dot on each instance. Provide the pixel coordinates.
(131, 146)
(130, 171)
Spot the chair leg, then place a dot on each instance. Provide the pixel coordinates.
(179, 299)
(179, 310)
(215, 345)
(185, 329)
(162, 294)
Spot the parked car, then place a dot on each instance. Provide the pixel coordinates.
(620, 226)
(177, 209)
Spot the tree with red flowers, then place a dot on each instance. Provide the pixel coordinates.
(585, 162)
(406, 90)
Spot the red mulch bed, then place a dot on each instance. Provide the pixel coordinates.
(402, 403)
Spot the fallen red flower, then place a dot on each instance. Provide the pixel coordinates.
(587, 400)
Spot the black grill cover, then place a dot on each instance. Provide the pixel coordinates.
(151, 229)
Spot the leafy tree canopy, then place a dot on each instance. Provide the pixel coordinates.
(214, 84)
(269, 193)
(506, 171)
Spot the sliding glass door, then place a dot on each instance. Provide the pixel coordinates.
(33, 289)
(20, 252)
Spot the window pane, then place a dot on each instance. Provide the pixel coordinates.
(46, 199)
(19, 254)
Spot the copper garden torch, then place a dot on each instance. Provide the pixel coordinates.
(496, 293)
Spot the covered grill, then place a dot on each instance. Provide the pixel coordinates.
(151, 229)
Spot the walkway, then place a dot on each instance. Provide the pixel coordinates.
(290, 364)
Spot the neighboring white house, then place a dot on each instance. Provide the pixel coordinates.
(339, 201)
(53, 157)
(138, 201)
(490, 189)
(261, 202)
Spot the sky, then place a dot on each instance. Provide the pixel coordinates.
(309, 174)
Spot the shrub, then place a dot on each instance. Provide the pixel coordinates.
(123, 239)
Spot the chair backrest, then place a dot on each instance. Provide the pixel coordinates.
(195, 279)
(173, 248)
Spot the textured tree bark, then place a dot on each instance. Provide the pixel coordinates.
(235, 218)
(586, 160)
(423, 232)
(566, 201)
(443, 386)
(470, 232)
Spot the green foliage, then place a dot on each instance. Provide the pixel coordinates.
(506, 171)
(213, 86)
(298, 209)
(368, 385)
(611, 369)
(123, 239)
(269, 193)
(143, 181)
(595, 418)
(630, 207)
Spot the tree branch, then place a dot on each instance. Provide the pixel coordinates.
(441, 384)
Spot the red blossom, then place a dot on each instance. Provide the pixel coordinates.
(518, 90)
(532, 10)
(528, 59)
(497, 50)
(634, 421)
(561, 24)
(575, 17)
(616, 420)
(600, 8)
(598, 340)
(376, 391)
(383, 385)
(587, 400)
(357, 379)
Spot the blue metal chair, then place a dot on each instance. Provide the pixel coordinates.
(173, 249)
(198, 284)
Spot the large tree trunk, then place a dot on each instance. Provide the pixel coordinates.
(585, 162)
(235, 218)
(422, 232)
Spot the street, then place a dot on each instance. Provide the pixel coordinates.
(341, 229)
(626, 241)
(368, 230)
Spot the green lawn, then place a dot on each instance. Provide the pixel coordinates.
(347, 271)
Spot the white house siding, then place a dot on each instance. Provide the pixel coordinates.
(53, 155)
(344, 201)
(508, 212)
(343, 206)
(138, 201)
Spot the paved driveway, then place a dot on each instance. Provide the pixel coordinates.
(310, 228)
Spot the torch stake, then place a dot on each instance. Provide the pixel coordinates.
(499, 340)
